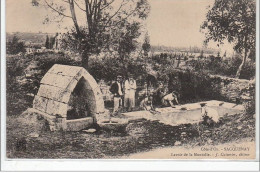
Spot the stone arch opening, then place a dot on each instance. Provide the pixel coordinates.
(68, 95)
(79, 103)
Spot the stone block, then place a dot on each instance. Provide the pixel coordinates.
(40, 103)
(114, 124)
(65, 70)
(55, 93)
(91, 82)
(56, 80)
(137, 115)
(56, 108)
(98, 92)
(63, 96)
(71, 86)
(79, 124)
(80, 74)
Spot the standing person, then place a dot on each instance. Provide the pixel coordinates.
(116, 90)
(129, 97)
(159, 94)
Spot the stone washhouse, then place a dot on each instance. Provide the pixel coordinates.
(69, 98)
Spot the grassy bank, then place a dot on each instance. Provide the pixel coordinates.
(28, 137)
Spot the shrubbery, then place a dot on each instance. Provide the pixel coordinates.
(20, 85)
(192, 85)
(108, 68)
(15, 46)
(226, 67)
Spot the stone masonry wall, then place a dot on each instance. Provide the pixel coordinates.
(235, 89)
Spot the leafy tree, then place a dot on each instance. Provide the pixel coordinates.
(201, 54)
(127, 42)
(103, 19)
(15, 46)
(51, 42)
(234, 21)
(146, 45)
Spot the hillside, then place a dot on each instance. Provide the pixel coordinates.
(38, 38)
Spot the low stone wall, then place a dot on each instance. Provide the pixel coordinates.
(235, 90)
(199, 86)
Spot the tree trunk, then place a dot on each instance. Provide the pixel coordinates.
(243, 63)
(84, 59)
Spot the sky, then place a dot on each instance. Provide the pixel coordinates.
(170, 22)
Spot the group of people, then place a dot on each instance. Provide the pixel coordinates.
(124, 93)
(124, 96)
(159, 98)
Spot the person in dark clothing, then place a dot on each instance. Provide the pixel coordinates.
(159, 94)
(116, 90)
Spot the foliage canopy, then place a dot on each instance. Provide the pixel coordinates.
(235, 21)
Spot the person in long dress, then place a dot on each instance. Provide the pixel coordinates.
(129, 93)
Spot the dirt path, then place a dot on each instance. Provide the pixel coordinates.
(242, 149)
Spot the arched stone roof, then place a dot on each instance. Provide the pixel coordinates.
(58, 84)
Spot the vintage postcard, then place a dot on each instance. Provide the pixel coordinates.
(131, 79)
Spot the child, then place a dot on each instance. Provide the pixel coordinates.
(147, 103)
(209, 115)
(169, 99)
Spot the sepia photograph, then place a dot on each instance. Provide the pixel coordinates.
(131, 79)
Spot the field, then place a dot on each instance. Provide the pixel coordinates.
(36, 38)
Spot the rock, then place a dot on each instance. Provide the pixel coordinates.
(210, 141)
(229, 123)
(34, 135)
(238, 120)
(90, 131)
(183, 134)
(113, 123)
(177, 143)
(206, 131)
(239, 127)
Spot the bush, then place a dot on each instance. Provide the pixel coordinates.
(15, 46)
(227, 67)
(108, 68)
(19, 87)
(194, 86)
(250, 104)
